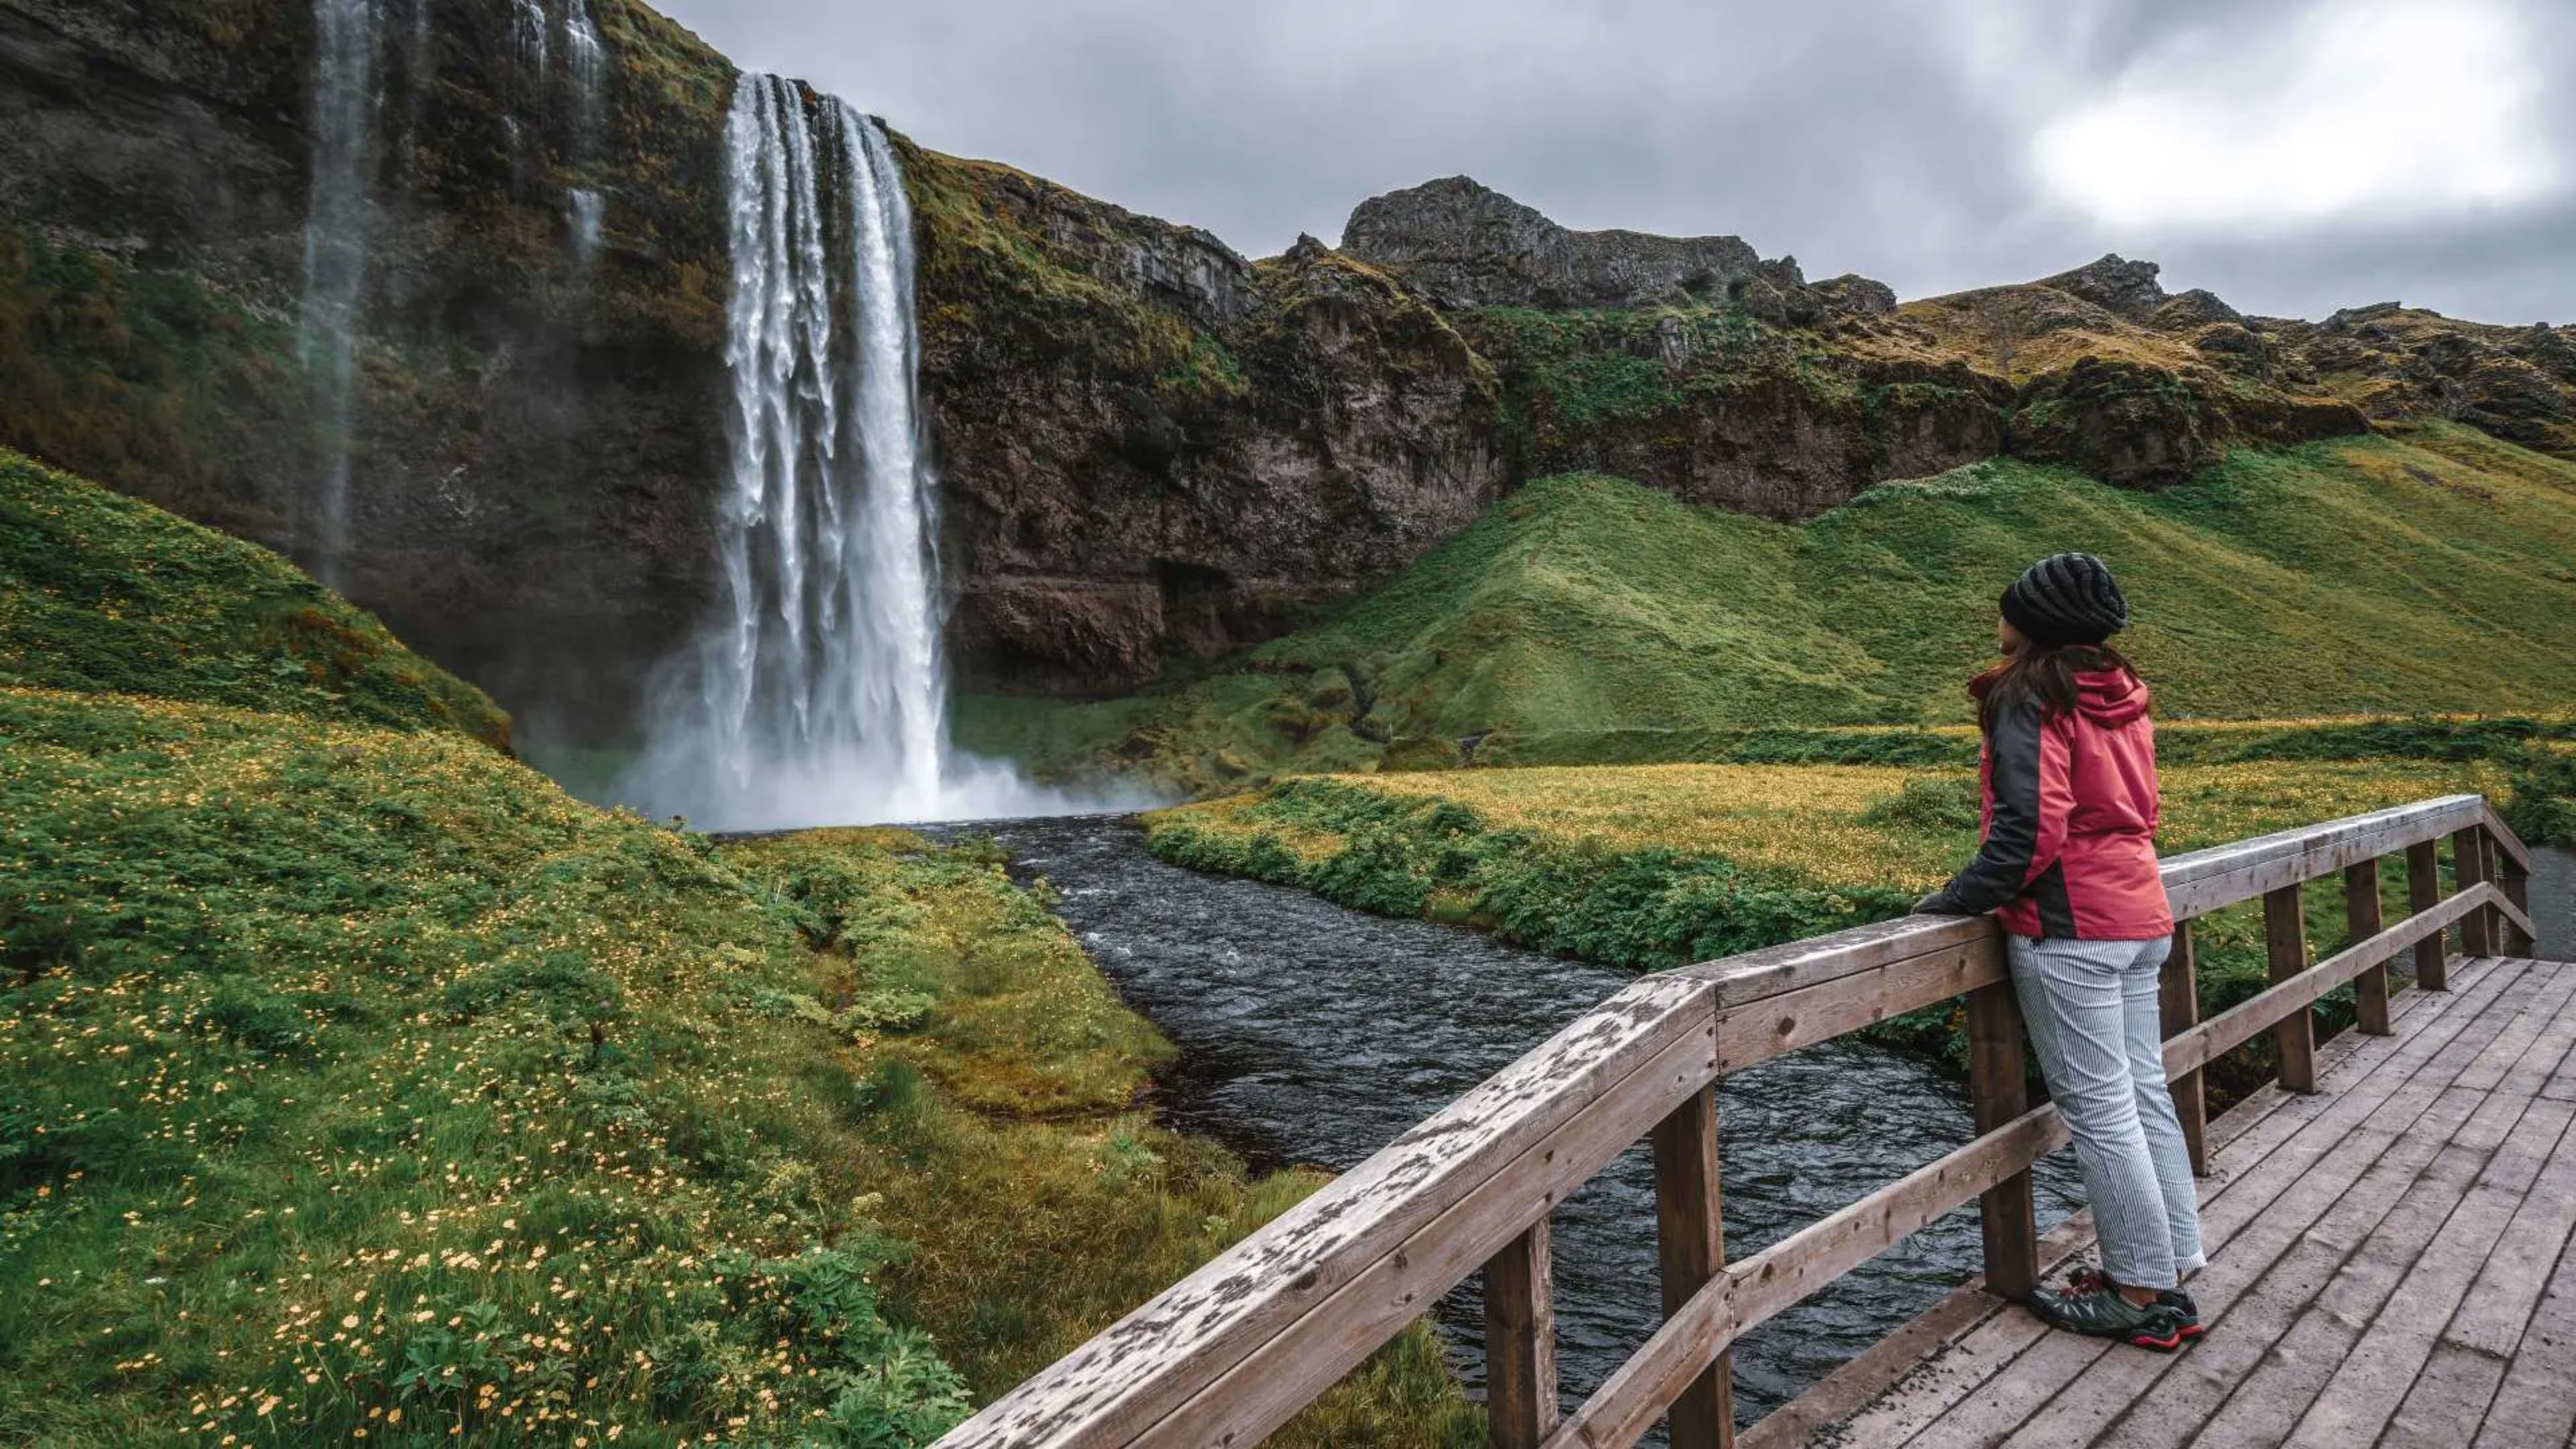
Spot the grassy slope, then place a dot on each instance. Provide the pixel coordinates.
(101, 592)
(360, 1080)
(2369, 574)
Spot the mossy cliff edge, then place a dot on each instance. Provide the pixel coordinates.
(1154, 450)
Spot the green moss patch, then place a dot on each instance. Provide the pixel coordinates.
(102, 592)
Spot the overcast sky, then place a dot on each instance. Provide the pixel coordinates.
(2292, 155)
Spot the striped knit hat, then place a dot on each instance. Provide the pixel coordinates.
(2066, 598)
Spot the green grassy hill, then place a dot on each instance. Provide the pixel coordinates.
(362, 1084)
(2434, 572)
(101, 592)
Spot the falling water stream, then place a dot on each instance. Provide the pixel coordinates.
(816, 691)
(1314, 1034)
(346, 53)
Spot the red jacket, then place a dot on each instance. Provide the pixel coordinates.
(2070, 820)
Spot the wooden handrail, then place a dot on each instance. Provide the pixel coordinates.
(1233, 1350)
(1758, 1287)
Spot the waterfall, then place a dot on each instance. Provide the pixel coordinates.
(815, 693)
(536, 33)
(586, 59)
(335, 257)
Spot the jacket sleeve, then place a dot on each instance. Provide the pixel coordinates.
(2026, 776)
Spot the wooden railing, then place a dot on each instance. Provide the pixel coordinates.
(1232, 1351)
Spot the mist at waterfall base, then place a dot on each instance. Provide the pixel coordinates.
(815, 693)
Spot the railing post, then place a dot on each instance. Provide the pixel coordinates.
(2423, 893)
(2285, 934)
(1691, 1249)
(1999, 1091)
(1520, 1342)
(2181, 1003)
(2361, 917)
(2468, 868)
(2516, 884)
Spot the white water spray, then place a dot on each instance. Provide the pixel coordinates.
(345, 55)
(816, 694)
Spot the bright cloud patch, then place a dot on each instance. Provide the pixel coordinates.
(2404, 107)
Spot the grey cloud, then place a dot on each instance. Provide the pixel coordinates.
(1882, 136)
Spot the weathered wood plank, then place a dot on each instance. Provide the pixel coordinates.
(2365, 1391)
(2296, 1130)
(1139, 1369)
(2498, 1309)
(1284, 1371)
(1761, 1030)
(2268, 1402)
(2423, 892)
(2468, 869)
(2178, 1004)
(1755, 975)
(2205, 880)
(2361, 922)
(2265, 1201)
(2274, 1247)
(1690, 1250)
(2294, 1035)
(2267, 1377)
(1520, 1342)
(2533, 1406)
(2450, 1394)
(2283, 1338)
(1998, 1092)
(2292, 1213)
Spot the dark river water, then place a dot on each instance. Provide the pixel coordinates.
(1311, 1034)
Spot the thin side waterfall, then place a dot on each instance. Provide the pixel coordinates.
(815, 694)
(345, 57)
(586, 61)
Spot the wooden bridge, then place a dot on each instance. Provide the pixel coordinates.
(2387, 1225)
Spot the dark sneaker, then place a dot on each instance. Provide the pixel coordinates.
(2091, 1280)
(2105, 1314)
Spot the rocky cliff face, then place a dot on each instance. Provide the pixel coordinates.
(1152, 449)
(1151, 446)
(533, 419)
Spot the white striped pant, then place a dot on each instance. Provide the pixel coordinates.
(2097, 1028)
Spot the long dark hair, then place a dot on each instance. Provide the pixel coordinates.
(2041, 674)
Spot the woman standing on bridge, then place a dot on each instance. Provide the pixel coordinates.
(2069, 868)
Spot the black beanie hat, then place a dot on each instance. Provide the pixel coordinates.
(2066, 598)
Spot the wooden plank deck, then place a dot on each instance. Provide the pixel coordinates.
(2390, 1264)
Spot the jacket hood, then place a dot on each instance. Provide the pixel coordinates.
(2110, 697)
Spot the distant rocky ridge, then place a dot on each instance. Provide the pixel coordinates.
(1152, 449)
(1464, 244)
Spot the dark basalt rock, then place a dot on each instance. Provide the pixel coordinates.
(2115, 284)
(1463, 244)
